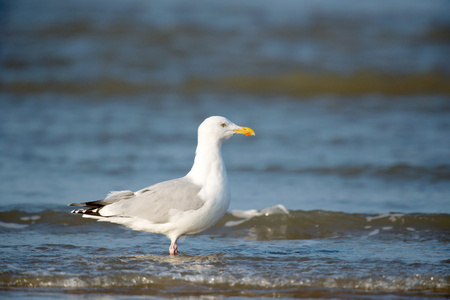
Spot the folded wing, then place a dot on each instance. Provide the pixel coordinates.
(155, 203)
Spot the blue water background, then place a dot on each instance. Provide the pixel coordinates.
(96, 97)
(350, 104)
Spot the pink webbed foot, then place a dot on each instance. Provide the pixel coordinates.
(173, 248)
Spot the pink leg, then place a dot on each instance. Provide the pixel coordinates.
(173, 248)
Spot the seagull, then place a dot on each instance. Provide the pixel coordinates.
(181, 206)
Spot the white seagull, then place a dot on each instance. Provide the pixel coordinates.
(181, 206)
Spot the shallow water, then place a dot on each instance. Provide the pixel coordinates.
(343, 192)
(279, 253)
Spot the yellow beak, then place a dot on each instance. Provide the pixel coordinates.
(244, 130)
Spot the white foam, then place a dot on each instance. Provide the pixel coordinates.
(30, 218)
(375, 232)
(12, 225)
(392, 217)
(251, 213)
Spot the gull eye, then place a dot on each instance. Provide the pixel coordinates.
(223, 124)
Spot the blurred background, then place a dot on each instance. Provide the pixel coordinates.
(349, 99)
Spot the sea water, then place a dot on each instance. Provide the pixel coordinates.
(343, 192)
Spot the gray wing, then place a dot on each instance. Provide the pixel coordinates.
(111, 198)
(152, 203)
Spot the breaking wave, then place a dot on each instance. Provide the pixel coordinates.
(62, 255)
(272, 223)
(256, 285)
(396, 171)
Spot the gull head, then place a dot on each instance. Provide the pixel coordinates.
(221, 129)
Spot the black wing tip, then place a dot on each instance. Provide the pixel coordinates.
(92, 204)
(87, 211)
(90, 208)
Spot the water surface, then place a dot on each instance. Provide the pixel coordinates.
(343, 192)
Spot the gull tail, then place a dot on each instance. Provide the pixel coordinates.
(92, 208)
